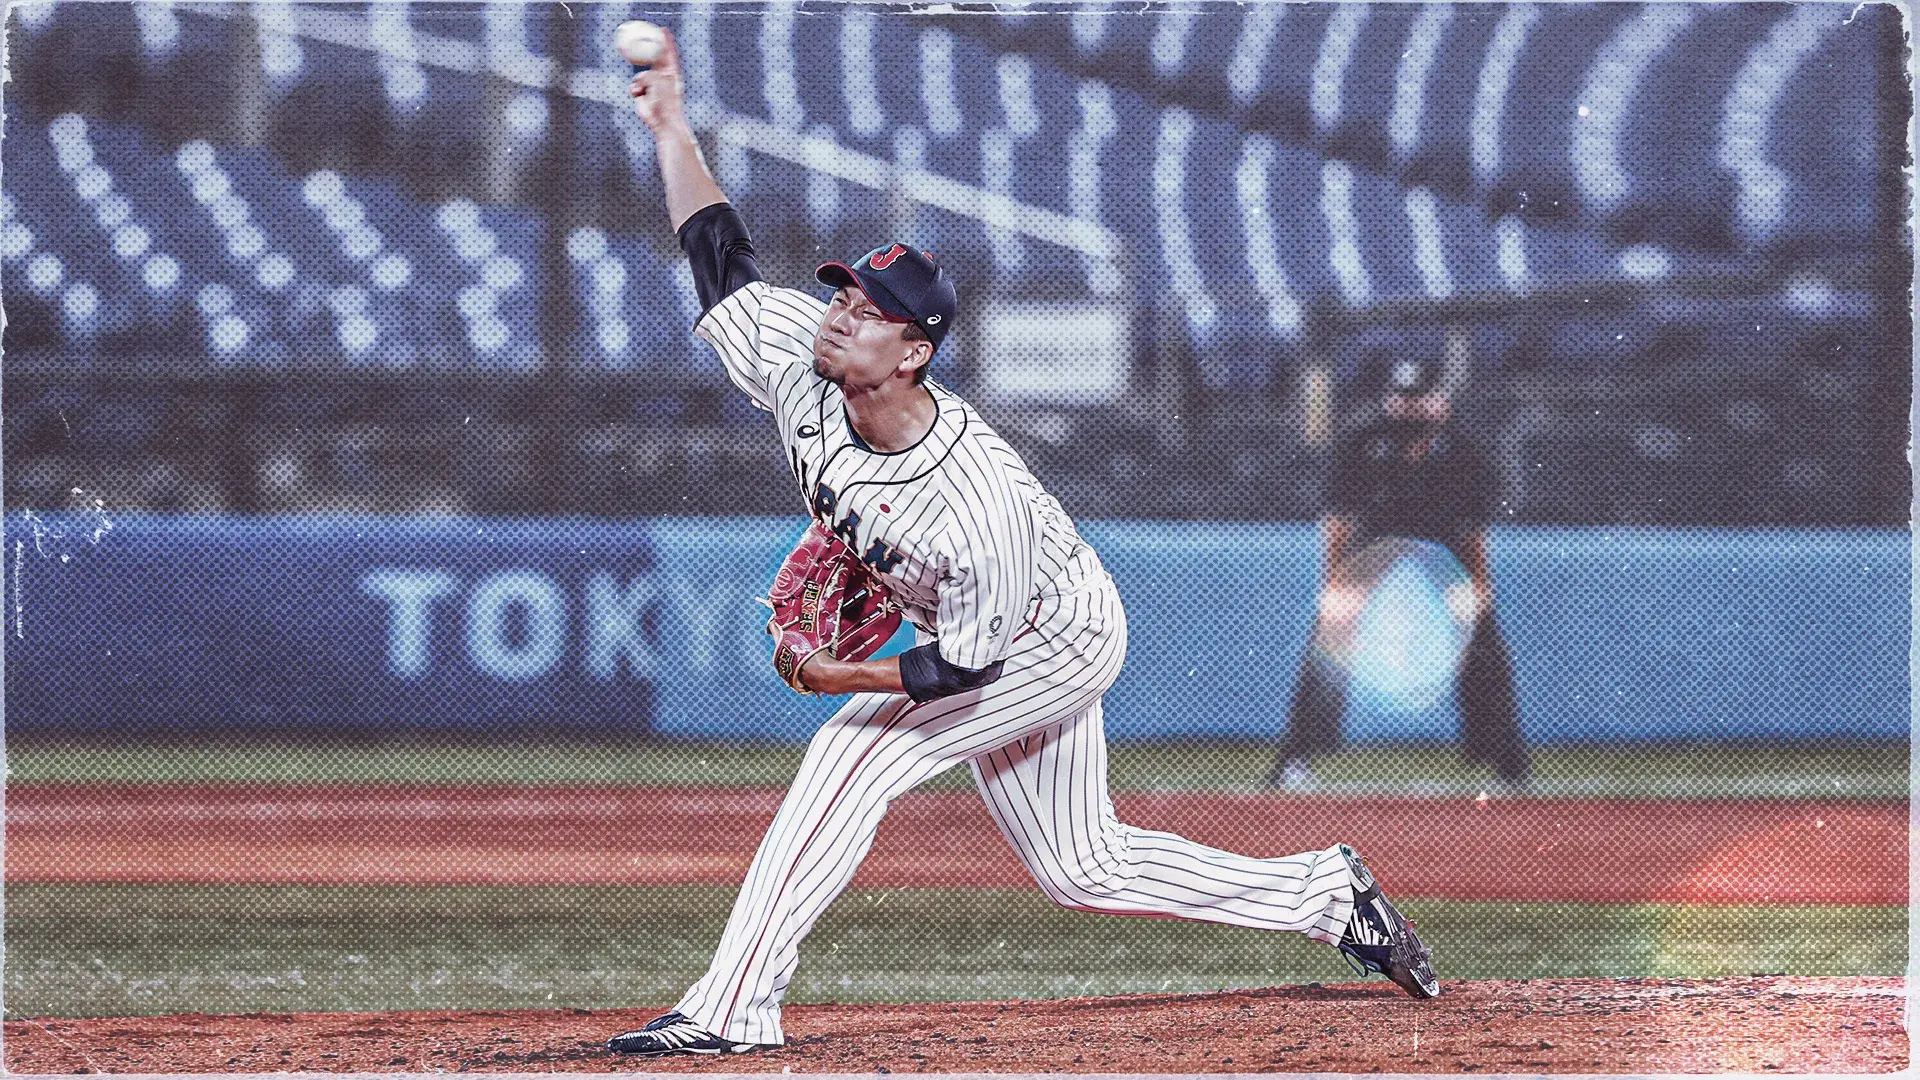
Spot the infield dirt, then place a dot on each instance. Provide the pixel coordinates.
(1561, 1025)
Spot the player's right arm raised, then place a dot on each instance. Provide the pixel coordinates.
(763, 335)
(659, 99)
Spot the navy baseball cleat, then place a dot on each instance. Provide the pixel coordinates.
(675, 1034)
(1381, 940)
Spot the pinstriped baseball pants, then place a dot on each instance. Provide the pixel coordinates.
(1035, 740)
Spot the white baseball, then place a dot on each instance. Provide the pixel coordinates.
(639, 42)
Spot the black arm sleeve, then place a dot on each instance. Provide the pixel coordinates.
(716, 242)
(927, 676)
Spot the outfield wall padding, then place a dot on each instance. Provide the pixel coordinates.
(149, 624)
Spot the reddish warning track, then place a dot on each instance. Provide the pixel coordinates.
(1736, 851)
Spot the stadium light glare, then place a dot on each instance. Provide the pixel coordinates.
(488, 335)
(274, 272)
(362, 242)
(73, 156)
(1201, 312)
(214, 299)
(16, 240)
(609, 274)
(357, 333)
(526, 115)
(475, 244)
(1646, 262)
(1510, 240)
(282, 59)
(613, 336)
(458, 216)
(246, 242)
(112, 210)
(391, 271)
(936, 83)
(210, 187)
(1810, 296)
(1429, 248)
(1088, 27)
(229, 211)
(1496, 78)
(405, 83)
(823, 190)
(1244, 71)
(44, 272)
(1330, 67)
(1015, 77)
(159, 29)
(92, 182)
(227, 334)
(161, 272)
(1410, 81)
(501, 272)
(131, 241)
(68, 129)
(1168, 48)
(1336, 205)
(346, 301)
(586, 244)
(1097, 116)
(194, 157)
(322, 188)
(36, 17)
(778, 85)
(857, 72)
(344, 213)
(477, 302)
(81, 302)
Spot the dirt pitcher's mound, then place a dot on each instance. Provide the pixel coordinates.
(1834, 1025)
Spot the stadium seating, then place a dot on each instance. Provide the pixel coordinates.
(1262, 165)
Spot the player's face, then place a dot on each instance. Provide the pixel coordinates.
(1430, 408)
(858, 346)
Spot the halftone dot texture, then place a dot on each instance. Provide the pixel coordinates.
(383, 545)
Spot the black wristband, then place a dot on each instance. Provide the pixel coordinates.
(927, 675)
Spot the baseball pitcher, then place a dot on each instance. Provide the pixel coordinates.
(922, 512)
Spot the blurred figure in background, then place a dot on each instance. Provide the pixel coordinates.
(1406, 472)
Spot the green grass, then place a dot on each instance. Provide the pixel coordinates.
(1856, 771)
(130, 950)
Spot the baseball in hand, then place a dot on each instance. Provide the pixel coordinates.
(639, 42)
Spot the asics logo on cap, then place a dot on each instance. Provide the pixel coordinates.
(933, 320)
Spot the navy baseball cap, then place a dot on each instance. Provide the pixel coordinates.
(902, 282)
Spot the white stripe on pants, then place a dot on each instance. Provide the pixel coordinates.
(1038, 750)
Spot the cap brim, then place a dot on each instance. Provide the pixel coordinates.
(841, 276)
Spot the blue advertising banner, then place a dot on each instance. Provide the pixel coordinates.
(150, 624)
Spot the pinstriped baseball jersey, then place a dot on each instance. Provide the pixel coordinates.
(979, 554)
(970, 543)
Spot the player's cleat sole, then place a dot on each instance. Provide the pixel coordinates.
(1381, 940)
(673, 1033)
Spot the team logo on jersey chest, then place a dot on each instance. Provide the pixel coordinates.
(880, 555)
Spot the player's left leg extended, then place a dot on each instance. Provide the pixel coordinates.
(1048, 793)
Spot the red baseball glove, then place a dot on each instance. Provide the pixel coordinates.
(824, 597)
